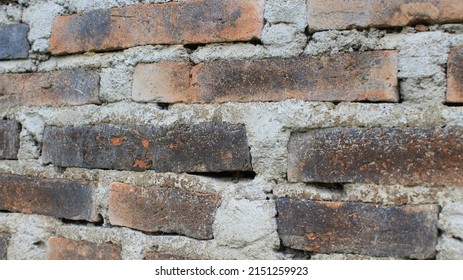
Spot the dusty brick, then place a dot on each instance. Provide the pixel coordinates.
(9, 139)
(67, 199)
(369, 76)
(196, 21)
(157, 256)
(163, 209)
(13, 41)
(4, 239)
(343, 14)
(455, 76)
(60, 248)
(408, 156)
(204, 147)
(344, 227)
(57, 88)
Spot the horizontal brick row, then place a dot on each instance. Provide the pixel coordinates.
(204, 147)
(408, 156)
(4, 240)
(455, 75)
(368, 76)
(196, 21)
(13, 41)
(358, 228)
(59, 198)
(60, 248)
(56, 88)
(9, 139)
(344, 14)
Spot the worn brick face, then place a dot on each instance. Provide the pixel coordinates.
(66, 249)
(347, 14)
(455, 76)
(57, 88)
(67, 199)
(4, 239)
(13, 41)
(369, 76)
(197, 21)
(204, 147)
(9, 139)
(358, 228)
(407, 156)
(163, 209)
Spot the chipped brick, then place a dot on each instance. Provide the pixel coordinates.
(66, 249)
(455, 76)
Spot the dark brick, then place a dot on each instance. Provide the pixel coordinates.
(358, 228)
(57, 88)
(157, 256)
(66, 249)
(343, 14)
(4, 240)
(163, 209)
(205, 147)
(13, 41)
(368, 76)
(192, 22)
(408, 156)
(9, 139)
(455, 76)
(72, 200)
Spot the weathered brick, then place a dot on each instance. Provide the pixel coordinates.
(358, 228)
(67, 199)
(408, 156)
(204, 147)
(196, 21)
(347, 14)
(9, 139)
(368, 76)
(455, 76)
(61, 248)
(57, 88)
(4, 239)
(157, 256)
(163, 209)
(13, 41)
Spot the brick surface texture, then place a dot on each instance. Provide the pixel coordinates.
(455, 76)
(9, 139)
(345, 227)
(66, 249)
(348, 14)
(57, 88)
(197, 21)
(369, 76)
(384, 156)
(13, 41)
(4, 240)
(163, 209)
(205, 147)
(59, 198)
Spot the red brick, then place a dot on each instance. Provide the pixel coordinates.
(196, 21)
(347, 14)
(455, 76)
(163, 209)
(408, 156)
(358, 228)
(157, 256)
(204, 147)
(67, 199)
(4, 240)
(9, 139)
(66, 249)
(57, 88)
(368, 76)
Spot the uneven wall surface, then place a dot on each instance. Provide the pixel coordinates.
(231, 129)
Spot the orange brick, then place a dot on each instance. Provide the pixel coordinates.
(347, 14)
(455, 76)
(66, 249)
(196, 21)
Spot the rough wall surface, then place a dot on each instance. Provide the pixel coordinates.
(260, 129)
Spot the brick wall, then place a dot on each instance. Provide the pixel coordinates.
(212, 129)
